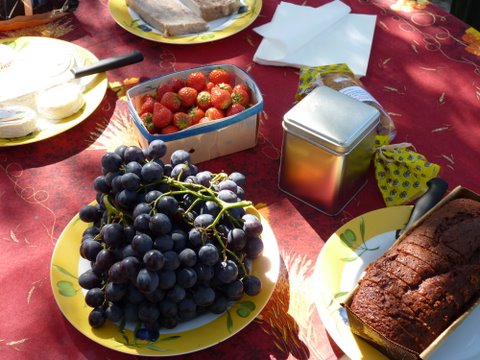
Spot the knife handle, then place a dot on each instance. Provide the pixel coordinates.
(436, 189)
(110, 63)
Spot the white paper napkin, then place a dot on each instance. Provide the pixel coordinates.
(305, 36)
(293, 26)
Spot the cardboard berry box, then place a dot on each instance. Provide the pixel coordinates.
(209, 140)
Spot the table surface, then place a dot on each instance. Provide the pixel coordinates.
(423, 70)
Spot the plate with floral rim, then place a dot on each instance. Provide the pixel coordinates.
(341, 264)
(218, 29)
(95, 86)
(200, 333)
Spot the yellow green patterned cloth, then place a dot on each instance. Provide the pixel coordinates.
(311, 77)
(401, 172)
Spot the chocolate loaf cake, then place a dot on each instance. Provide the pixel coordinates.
(412, 293)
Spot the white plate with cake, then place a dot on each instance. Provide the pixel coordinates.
(184, 21)
(340, 266)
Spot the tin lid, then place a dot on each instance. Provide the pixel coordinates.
(331, 119)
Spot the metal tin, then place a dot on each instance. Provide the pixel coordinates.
(328, 141)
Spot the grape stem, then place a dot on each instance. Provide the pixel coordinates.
(225, 207)
(112, 211)
(201, 192)
(225, 249)
(198, 191)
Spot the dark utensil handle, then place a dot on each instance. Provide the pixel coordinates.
(436, 189)
(110, 63)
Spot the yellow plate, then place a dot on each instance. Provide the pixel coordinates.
(190, 336)
(93, 94)
(218, 29)
(340, 265)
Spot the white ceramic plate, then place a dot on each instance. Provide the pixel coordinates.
(340, 265)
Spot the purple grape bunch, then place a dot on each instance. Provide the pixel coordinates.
(166, 241)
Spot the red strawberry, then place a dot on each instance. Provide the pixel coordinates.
(220, 98)
(188, 96)
(182, 120)
(162, 116)
(196, 114)
(203, 100)
(169, 129)
(162, 89)
(225, 86)
(197, 80)
(147, 121)
(147, 104)
(171, 100)
(176, 84)
(240, 96)
(234, 109)
(214, 113)
(210, 86)
(219, 75)
(243, 86)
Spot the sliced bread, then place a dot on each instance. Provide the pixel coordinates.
(213, 9)
(171, 17)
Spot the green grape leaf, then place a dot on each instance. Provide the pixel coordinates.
(63, 271)
(135, 339)
(349, 259)
(245, 308)
(121, 326)
(243, 312)
(152, 347)
(169, 338)
(125, 337)
(229, 322)
(362, 228)
(348, 238)
(121, 329)
(340, 294)
(207, 36)
(66, 288)
(248, 304)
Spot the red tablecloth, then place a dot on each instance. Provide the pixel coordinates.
(423, 69)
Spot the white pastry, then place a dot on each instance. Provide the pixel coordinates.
(26, 70)
(60, 101)
(17, 121)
